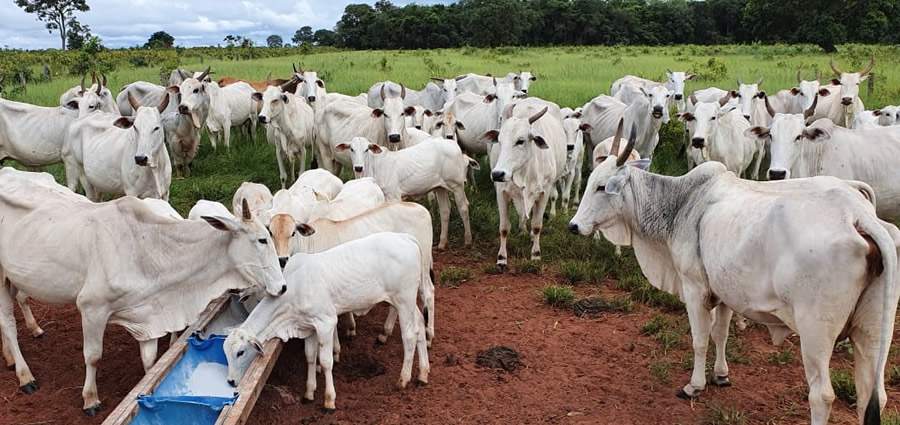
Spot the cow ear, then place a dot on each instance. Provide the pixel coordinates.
(643, 164)
(795, 91)
(225, 224)
(257, 96)
(835, 82)
(377, 113)
(73, 105)
(689, 77)
(540, 142)
(756, 132)
(409, 110)
(124, 122)
(686, 117)
(877, 112)
(585, 127)
(257, 346)
(490, 136)
(284, 98)
(374, 148)
(173, 89)
(342, 147)
(816, 134)
(428, 113)
(615, 183)
(824, 92)
(490, 98)
(305, 229)
(460, 125)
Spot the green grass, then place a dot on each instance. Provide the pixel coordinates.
(844, 388)
(453, 276)
(783, 357)
(558, 296)
(661, 369)
(665, 331)
(591, 306)
(725, 415)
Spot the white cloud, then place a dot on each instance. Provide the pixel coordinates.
(191, 22)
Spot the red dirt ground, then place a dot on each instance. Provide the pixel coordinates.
(576, 370)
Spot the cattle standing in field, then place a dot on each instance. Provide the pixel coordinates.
(824, 149)
(184, 124)
(294, 126)
(124, 155)
(645, 112)
(230, 106)
(674, 83)
(527, 162)
(34, 135)
(721, 133)
(840, 101)
(575, 147)
(141, 256)
(434, 165)
(386, 267)
(888, 115)
(814, 259)
(481, 84)
(432, 97)
(107, 101)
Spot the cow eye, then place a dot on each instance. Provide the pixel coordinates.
(239, 353)
(601, 188)
(797, 139)
(196, 90)
(156, 128)
(520, 142)
(712, 119)
(294, 233)
(264, 241)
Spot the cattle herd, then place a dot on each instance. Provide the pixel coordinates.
(804, 253)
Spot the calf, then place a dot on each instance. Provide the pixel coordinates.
(433, 165)
(256, 195)
(294, 125)
(386, 268)
(230, 106)
(721, 132)
(575, 134)
(105, 97)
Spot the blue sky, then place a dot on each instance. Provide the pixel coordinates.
(123, 23)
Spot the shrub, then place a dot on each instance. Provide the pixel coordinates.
(558, 296)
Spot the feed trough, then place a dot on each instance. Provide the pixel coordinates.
(187, 385)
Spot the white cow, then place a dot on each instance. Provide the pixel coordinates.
(432, 97)
(295, 122)
(814, 260)
(472, 115)
(350, 278)
(107, 101)
(230, 106)
(184, 122)
(146, 260)
(256, 195)
(434, 165)
(888, 115)
(34, 135)
(604, 112)
(840, 102)
(674, 83)
(146, 94)
(824, 149)
(527, 162)
(575, 147)
(208, 208)
(721, 133)
(481, 84)
(119, 156)
(865, 119)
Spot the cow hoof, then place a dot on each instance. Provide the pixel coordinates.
(721, 381)
(38, 334)
(327, 410)
(685, 396)
(29, 388)
(11, 366)
(379, 342)
(305, 400)
(501, 268)
(421, 383)
(92, 411)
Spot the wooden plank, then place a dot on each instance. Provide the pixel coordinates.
(128, 408)
(251, 385)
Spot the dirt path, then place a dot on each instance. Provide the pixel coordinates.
(575, 370)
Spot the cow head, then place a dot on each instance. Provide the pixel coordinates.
(240, 349)
(195, 98)
(745, 95)
(675, 84)
(504, 93)
(273, 101)
(658, 96)
(393, 115)
(284, 229)
(702, 123)
(522, 80)
(849, 82)
(576, 131)
(309, 84)
(360, 148)
(147, 129)
(602, 203)
(449, 89)
(807, 90)
(448, 126)
(889, 115)
(251, 250)
(518, 142)
(786, 135)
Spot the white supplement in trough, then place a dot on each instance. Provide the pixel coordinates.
(210, 379)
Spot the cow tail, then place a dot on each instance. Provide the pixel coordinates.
(426, 289)
(885, 243)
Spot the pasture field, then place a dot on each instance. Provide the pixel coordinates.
(599, 344)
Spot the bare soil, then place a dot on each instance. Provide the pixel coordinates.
(596, 369)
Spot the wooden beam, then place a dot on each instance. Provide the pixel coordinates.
(251, 385)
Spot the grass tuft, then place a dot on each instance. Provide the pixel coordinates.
(725, 415)
(844, 388)
(592, 306)
(452, 276)
(558, 296)
(783, 357)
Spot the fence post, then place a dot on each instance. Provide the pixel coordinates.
(23, 82)
(47, 75)
(870, 86)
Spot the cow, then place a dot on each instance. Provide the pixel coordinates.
(825, 149)
(256, 195)
(646, 113)
(721, 133)
(575, 147)
(888, 115)
(433, 165)
(230, 106)
(294, 124)
(386, 267)
(840, 101)
(184, 123)
(140, 257)
(107, 101)
(432, 97)
(791, 279)
(119, 156)
(526, 163)
(178, 76)
(675, 81)
(259, 86)
(145, 93)
(34, 135)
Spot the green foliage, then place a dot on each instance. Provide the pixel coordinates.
(160, 40)
(303, 36)
(725, 415)
(558, 296)
(665, 332)
(575, 271)
(591, 306)
(57, 15)
(453, 276)
(661, 370)
(844, 388)
(529, 266)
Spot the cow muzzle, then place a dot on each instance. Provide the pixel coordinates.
(747, 117)
(418, 127)
(573, 228)
(679, 96)
(498, 176)
(777, 174)
(263, 119)
(358, 169)
(570, 148)
(311, 99)
(450, 137)
(698, 142)
(846, 101)
(394, 138)
(141, 160)
(657, 112)
(282, 261)
(232, 383)
(184, 110)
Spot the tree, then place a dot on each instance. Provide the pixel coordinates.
(353, 28)
(275, 41)
(58, 15)
(303, 35)
(160, 40)
(324, 38)
(77, 34)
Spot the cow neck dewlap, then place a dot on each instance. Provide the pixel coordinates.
(659, 202)
(809, 157)
(274, 317)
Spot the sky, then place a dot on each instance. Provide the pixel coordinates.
(125, 23)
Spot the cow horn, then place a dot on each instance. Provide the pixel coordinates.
(402, 91)
(620, 129)
(812, 108)
(494, 80)
(725, 99)
(769, 107)
(818, 75)
(300, 68)
(104, 80)
(693, 99)
(269, 79)
(759, 82)
(93, 77)
(740, 83)
(164, 103)
(99, 89)
(133, 102)
(537, 116)
(621, 159)
(245, 210)
(382, 91)
(82, 83)
(669, 71)
(204, 75)
(835, 68)
(440, 80)
(182, 74)
(294, 66)
(799, 80)
(868, 67)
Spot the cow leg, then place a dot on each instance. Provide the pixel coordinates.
(309, 347)
(10, 340)
(519, 205)
(93, 325)
(337, 345)
(89, 191)
(409, 331)
(554, 196)
(388, 325)
(721, 320)
(226, 128)
(282, 173)
(865, 357)
(214, 139)
(73, 173)
(567, 190)
(443, 199)
(816, 349)
(422, 344)
(462, 206)
(537, 221)
(701, 323)
(351, 319)
(8, 358)
(148, 353)
(325, 334)
(30, 322)
(503, 209)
